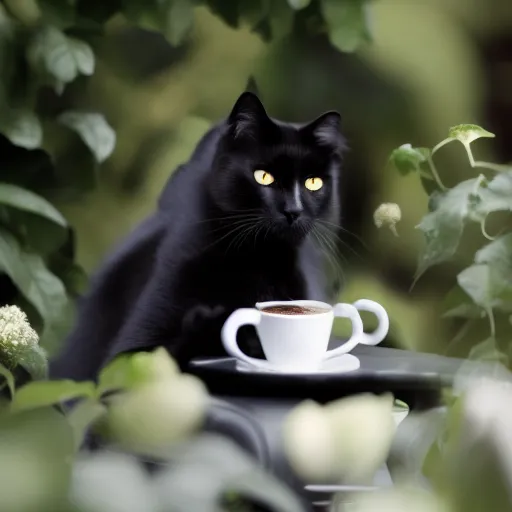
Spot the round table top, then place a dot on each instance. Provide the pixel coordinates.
(381, 370)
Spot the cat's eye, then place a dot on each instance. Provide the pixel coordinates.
(314, 184)
(263, 178)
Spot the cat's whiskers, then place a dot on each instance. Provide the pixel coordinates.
(329, 252)
(231, 232)
(344, 230)
(235, 223)
(239, 239)
(332, 234)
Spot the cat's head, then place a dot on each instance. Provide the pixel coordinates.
(282, 177)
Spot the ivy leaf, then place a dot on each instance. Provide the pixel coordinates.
(498, 254)
(44, 393)
(483, 284)
(23, 199)
(407, 159)
(443, 227)
(488, 350)
(63, 58)
(497, 196)
(22, 128)
(347, 23)
(467, 133)
(180, 19)
(35, 282)
(458, 304)
(298, 4)
(93, 129)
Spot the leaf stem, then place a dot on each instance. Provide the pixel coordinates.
(435, 174)
(484, 232)
(492, 323)
(492, 167)
(470, 154)
(479, 181)
(441, 144)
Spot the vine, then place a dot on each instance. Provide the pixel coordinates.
(484, 289)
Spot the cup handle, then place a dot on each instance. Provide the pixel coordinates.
(375, 337)
(243, 316)
(347, 311)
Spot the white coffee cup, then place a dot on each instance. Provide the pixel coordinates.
(299, 342)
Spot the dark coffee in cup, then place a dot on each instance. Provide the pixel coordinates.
(294, 310)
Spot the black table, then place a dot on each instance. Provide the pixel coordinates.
(416, 378)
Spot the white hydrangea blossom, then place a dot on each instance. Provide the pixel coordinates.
(16, 334)
(387, 214)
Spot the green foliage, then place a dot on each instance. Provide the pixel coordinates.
(484, 289)
(205, 472)
(47, 48)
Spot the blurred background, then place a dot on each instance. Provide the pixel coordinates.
(432, 64)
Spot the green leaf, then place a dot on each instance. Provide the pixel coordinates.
(44, 393)
(457, 303)
(443, 227)
(9, 378)
(298, 4)
(407, 159)
(483, 284)
(73, 276)
(107, 481)
(488, 350)
(221, 468)
(83, 415)
(347, 23)
(24, 199)
(60, 57)
(467, 133)
(117, 375)
(35, 233)
(498, 254)
(497, 196)
(180, 19)
(29, 273)
(22, 128)
(35, 361)
(94, 130)
(131, 370)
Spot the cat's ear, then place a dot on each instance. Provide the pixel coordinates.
(325, 131)
(248, 119)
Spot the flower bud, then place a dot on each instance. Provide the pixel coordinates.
(387, 214)
(157, 414)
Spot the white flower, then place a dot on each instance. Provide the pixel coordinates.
(16, 335)
(347, 440)
(387, 214)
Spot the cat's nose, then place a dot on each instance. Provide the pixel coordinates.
(292, 214)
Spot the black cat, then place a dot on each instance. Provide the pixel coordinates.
(247, 219)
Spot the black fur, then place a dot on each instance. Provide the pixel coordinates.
(218, 241)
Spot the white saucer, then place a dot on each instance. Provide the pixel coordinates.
(341, 364)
